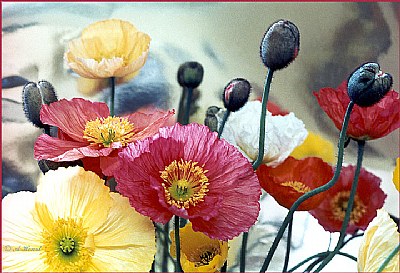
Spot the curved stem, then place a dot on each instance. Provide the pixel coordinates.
(288, 244)
(178, 267)
(360, 153)
(261, 141)
(313, 192)
(389, 258)
(318, 255)
(224, 119)
(187, 107)
(112, 95)
(243, 252)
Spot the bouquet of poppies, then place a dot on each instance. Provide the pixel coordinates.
(151, 191)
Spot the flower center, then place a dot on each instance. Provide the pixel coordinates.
(339, 205)
(185, 183)
(204, 255)
(64, 246)
(105, 131)
(297, 186)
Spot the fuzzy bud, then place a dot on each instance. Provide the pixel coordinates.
(33, 96)
(367, 85)
(190, 74)
(280, 45)
(236, 94)
(211, 120)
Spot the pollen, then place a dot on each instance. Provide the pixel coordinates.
(297, 186)
(64, 246)
(339, 205)
(185, 183)
(105, 131)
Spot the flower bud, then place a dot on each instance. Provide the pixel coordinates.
(367, 85)
(47, 165)
(211, 120)
(190, 74)
(33, 96)
(280, 45)
(236, 94)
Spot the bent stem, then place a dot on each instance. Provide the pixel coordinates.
(224, 119)
(319, 255)
(178, 267)
(360, 154)
(389, 258)
(316, 191)
(112, 96)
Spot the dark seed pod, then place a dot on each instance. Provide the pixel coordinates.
(236, 94)
(211, 120)
(47, 91)
(32, 103)
(190, 74)
(367, 85)
(280, 45)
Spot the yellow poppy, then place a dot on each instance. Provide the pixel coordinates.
(73, 223)
(199, 253)
(396, 174)
(315, 146)
(379, 240)
(110, 48)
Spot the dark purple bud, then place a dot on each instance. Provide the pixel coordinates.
(190, 74)
(236, 94)
(280, 45)
(367, 85)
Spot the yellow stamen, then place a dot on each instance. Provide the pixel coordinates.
(64, 246)
(184, 184)
(105, 131)
(203, 255)
(297, 186)
(339, 205)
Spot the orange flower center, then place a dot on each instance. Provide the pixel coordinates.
(297, 186)
(339, 205)
(105, 131)
(185, 183)
(204, 255)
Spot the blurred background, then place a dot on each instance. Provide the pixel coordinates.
(335, 38)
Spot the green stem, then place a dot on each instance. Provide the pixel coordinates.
(243, 252)
(318, 255)
(181, 106)
(178, 267)
(165, 253)
(288, 244)
(316, 191)
(261, 141)
(112, 96)
(224, 267)
(389, 258)
(187, 107)
(224, 119)
(353, 191)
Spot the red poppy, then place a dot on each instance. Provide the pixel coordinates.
(366, 123)
(292, 178)
(189, 172)
(86, 131)
(369, 198)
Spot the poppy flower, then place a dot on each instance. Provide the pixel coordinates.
(366, 123)
(293, 178)
(87, 132)
(368, 199)
(199, 253)
(109, 48)
(282, 133)
(187, 171)
(380, 238)
(73, 223)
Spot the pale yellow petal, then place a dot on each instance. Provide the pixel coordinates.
(75, 193)
(22, 261)
(396, 174)
(379, 239)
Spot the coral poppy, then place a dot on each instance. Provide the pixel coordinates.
(315, 145)
(86, 131)
(366, 123)
(368, 199)
(396, 174)
(73, 223)
(199, 253)
(109, 48)
(187, 171)
(380, 239)
(293, 178)
(282, 134)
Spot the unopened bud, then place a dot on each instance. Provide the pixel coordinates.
(367, 85)
(211, 120)
(190, 74)
(280, 45)
(33, 96)
(236, 94)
